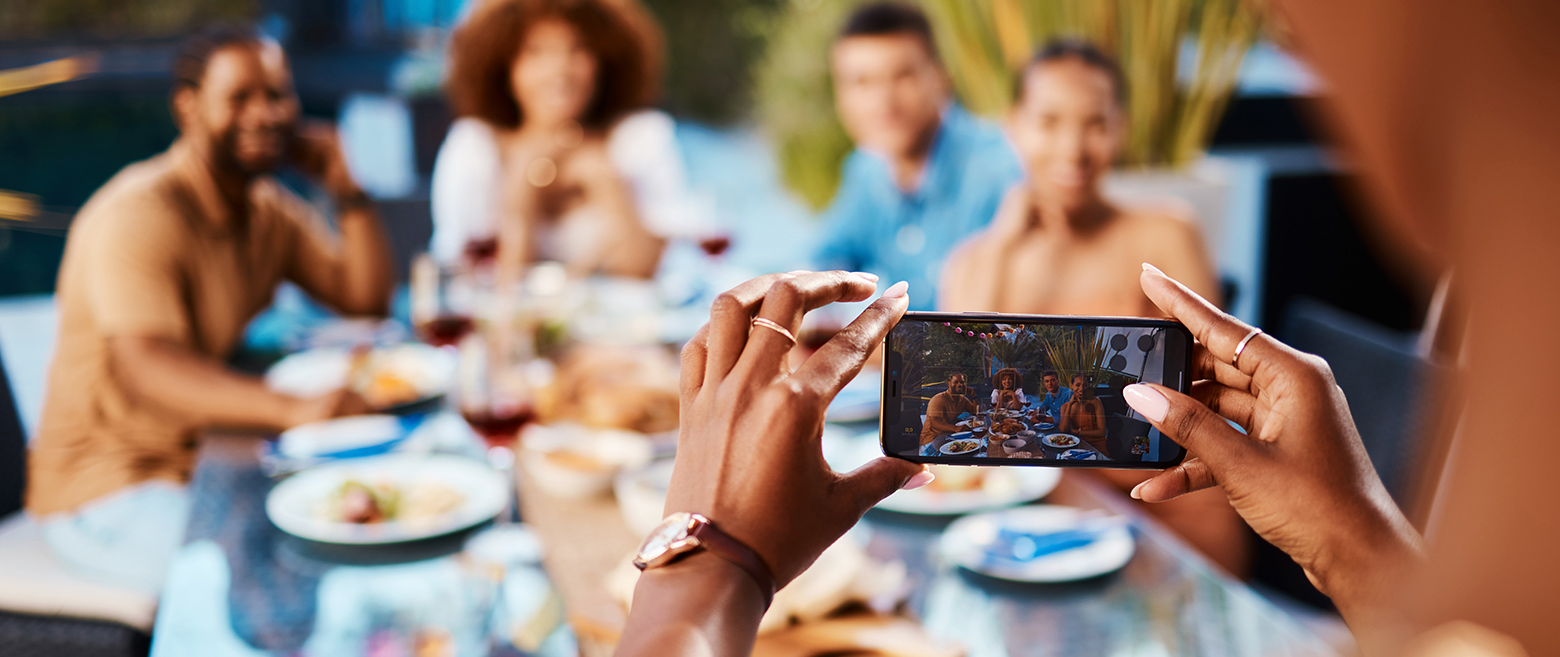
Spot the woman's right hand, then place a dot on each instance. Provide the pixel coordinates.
(1300, 475)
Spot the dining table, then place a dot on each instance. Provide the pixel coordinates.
(241, 586)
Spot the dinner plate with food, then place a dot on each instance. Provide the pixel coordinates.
(1040, 543)
(956, 489)
(961, 447)
(388, 378)
(387, 499)
(1060, 440)
(1009, 426)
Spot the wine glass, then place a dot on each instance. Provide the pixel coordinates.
(495, 395)
(442, 301)
(481, 250)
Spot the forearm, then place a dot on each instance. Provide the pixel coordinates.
(701, 605)
(204, 391)
(365, 263)
(1364, 573)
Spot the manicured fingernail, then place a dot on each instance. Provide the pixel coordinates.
(896, 290)
(920, 479)
(1137, 491)
(871, 277)
(797, 272)
(1149, 267)
(1148, 401)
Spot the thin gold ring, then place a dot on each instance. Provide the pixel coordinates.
(1241, 347)
(769, 324)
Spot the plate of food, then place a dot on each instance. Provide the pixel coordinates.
(1041, 543)
(388, 378)
(1060, 440)
(1045, 426)
(960, 447)
(387, 499)
(956, 490)
(1078, 455)
(971, 423)
(1009, 426)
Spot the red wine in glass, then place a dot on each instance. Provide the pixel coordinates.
(445, 330)
(715, 245)
(499, 426)
(481, 250)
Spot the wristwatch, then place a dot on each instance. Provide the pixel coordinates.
(681, 533)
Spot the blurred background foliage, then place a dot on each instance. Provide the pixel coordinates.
(35, 19)
(1181, 59)
(711, 47)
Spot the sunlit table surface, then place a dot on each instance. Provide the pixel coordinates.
(242, 587)
(1167, 601)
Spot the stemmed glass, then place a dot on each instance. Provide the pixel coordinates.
(495, 395)
(442, 302)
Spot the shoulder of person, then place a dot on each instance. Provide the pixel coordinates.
(1160, 218)
(642, 126)
(470, 137)
(137, 202)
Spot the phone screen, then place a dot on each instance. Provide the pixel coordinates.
(990, 389)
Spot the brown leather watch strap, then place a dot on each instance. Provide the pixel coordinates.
(737, 552)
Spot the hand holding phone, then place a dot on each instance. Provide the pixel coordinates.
(989, 389)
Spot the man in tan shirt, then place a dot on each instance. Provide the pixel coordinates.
(945, 408)
(163, 268)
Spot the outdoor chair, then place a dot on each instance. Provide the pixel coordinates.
(45, 609)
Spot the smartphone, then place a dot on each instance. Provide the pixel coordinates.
(997, 389)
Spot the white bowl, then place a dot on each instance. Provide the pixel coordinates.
(571, 461)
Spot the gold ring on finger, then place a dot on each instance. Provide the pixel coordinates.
(771, 325)
(1241, 347)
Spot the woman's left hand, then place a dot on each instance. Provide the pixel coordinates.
(748, 452)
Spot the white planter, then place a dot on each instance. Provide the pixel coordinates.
(1203, 188)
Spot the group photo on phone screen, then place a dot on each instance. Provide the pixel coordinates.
(1042, 392)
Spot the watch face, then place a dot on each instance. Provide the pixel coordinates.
(669, 534)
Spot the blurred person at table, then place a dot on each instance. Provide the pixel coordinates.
(943, 411)
(925, 173)
(1057, 246)
(556, 155)
(1049, 406)
(163, 268)
(1083, 415)
(1009, 391)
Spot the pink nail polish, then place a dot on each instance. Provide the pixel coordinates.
(1137, 490)
(920, 479)
(896, 290)
(1149, 267)
(1148, 401)
(871, 277)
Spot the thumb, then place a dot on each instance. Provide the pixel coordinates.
(867, 485)
(1188, 422)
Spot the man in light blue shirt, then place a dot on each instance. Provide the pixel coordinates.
(925, 174)
(1050, 404)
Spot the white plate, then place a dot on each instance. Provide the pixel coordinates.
(340, 437)
(965, 541)
(431, 371)
(947, 451)
(291, 504)
(1004, 487)
(1075, 443)
(1074, 455)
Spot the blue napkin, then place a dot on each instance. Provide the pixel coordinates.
(1013, 546)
